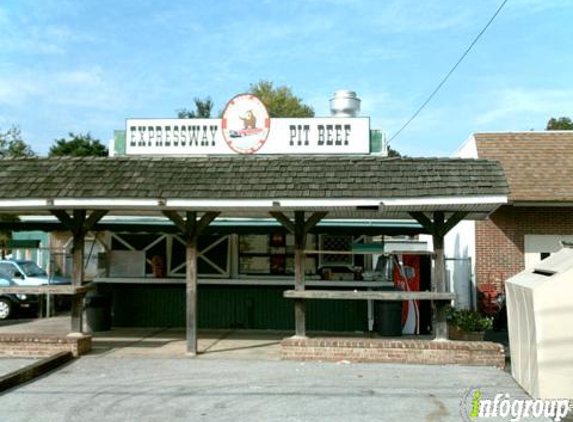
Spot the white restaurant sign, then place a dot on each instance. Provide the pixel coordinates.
(245, 128)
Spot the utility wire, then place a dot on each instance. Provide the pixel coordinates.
(450, 72)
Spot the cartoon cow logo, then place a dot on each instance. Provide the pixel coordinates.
(249, 120)
(245, 124)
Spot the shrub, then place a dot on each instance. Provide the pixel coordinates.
(469, 320)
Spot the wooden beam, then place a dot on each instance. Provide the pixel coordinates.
(191, 295)
(79, 217)
(299, 266)
(368, 295)
(77, 281)
(440, 325)
(79, 225)
(439, 218)
(454, 219)
(176, 219)
(284, 220)
(46, 289)
(424, 221)
(299, 228)
(438, 228)
(190, 228)
(205, 220)
(190, 224)
(65, 219)
(313, 220)
(93, 219)
(299, 246)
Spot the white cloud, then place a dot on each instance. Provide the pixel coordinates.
(33, 32)
(415, 16)
(87, 89)
(535, 6)
(512, 105)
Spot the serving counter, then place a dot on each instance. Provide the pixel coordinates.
(242, 303)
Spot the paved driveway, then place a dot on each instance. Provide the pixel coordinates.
(168, 390)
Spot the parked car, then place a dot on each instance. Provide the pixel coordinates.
(28, 273)
(11, 304)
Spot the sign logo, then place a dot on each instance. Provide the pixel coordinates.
(245, 124)
(477, 405)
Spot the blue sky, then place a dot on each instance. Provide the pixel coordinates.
(87, 65)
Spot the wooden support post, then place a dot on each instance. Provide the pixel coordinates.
(300, 229)
(440, 322)
(191, 296)
(77, 280)
(79, 225)
(190, 228)
(438, 229)
(78, 270)
(299, 261)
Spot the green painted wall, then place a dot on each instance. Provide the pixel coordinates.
(35, 235)
(227, 307)
(119, 142)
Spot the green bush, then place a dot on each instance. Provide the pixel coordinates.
(469, 320)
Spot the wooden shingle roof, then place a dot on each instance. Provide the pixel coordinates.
(249, 177)
(538, 165)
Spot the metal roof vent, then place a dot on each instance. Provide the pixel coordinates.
(344, 104)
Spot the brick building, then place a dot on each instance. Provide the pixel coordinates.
(539, 170)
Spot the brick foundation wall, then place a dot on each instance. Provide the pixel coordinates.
(475, 353)
(500, 240)
(42, 345)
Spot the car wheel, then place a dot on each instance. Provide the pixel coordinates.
(5, 308)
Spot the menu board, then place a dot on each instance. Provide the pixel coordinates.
(254, 243)
(127, 264)
(255, 264)
(272, 254)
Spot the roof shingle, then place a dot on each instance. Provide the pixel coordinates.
(538, 165)
(248, 177)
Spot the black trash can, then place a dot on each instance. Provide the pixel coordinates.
(98, 312)
(388, 315)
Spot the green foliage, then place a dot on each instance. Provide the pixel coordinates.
(78, 145)
(393, 153)
(6, 235)
(562, 123)
(12, 144)
(469, 320)
(280, 101)
(202, 110)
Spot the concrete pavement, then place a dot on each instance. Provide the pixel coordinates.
(144, 375)
(142, 390)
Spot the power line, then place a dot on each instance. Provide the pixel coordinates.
(450, 72)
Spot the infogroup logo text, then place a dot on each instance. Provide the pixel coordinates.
(475, 407)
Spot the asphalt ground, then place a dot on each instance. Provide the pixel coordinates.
(159, 389)
(10, 364)
(145, 375)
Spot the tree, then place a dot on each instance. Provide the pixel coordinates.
(562, 123)
(280, 101)
(78, 146)
(12, 144)
(202, 110)
(393, 153)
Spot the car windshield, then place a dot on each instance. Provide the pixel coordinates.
(32, 270)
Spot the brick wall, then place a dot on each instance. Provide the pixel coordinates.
(477, 353)
(500, 239)
(42, 345)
